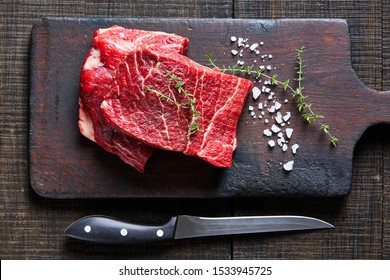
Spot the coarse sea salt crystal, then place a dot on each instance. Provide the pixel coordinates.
(279, 118)
(267, 132)
(256, 92)
(284, 147)
(294, 148)
(260, 106)
(278, 105)
(275, 128)
(253, 47)
(287, 116)
(240, 42)
(289, 132)
(234, 52)
(271, 143)
(233, 38)
(288, 166)
(250, 108)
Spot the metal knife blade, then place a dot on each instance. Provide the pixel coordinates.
(103, 229)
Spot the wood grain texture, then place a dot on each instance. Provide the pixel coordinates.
(157, 8)
(386, 138)
(386, 194)
(386, 45)
(15, 206)
(353, 237)
(364, 19)
(32, 227)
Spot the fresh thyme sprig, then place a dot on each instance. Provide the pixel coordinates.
(163, 96)
(297, 93)
(304, 107)
(191, 100)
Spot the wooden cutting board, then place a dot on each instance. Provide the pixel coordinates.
(63, 164)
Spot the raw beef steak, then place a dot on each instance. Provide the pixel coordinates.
(160, 98)
(110, 47)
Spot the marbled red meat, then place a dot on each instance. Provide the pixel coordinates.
(131, 101)
(148, 105)
(110, 47)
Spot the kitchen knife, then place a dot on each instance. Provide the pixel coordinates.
(103, 229)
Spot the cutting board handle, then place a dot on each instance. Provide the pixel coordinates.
(378, 110)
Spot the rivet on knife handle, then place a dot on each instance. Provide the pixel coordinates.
(103, 229)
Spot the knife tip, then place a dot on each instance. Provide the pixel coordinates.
(326, 225)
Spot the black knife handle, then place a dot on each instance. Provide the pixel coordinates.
(103, 229)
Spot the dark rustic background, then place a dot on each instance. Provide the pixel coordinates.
(32, 227)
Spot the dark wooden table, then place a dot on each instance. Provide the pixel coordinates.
(31, 227)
